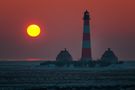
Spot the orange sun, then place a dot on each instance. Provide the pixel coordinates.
(33, 30)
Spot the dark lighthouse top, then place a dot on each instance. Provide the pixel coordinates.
(86, 15)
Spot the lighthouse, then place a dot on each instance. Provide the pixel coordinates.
(86, 42)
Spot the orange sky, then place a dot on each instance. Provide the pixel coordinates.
(112, 26)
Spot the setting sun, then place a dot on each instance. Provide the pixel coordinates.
(33, 30)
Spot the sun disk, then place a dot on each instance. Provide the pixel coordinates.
(33, 30)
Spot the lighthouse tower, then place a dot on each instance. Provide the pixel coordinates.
(86, 43)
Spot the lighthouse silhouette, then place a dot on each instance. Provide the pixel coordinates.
(86, 42)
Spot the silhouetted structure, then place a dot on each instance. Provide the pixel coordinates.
(86, 43)
(109, 57)
(64, 56)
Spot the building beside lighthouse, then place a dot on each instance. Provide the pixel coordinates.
(64, 55)
(108, 58)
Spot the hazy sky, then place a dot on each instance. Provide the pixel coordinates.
(112, 25)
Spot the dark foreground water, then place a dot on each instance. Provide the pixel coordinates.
(32, 76)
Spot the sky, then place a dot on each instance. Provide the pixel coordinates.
(112, 26)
